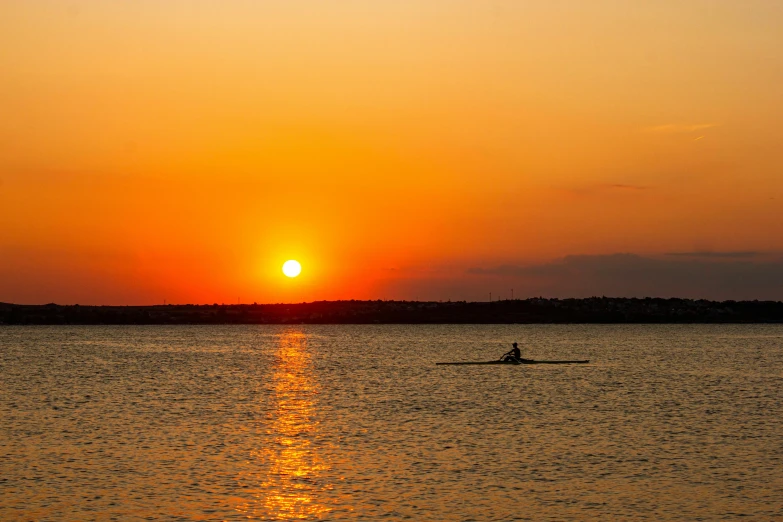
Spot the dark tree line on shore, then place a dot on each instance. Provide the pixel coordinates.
(535, 310)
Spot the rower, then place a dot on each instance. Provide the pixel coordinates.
(513, 355)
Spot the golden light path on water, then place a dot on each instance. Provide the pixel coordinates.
(288, 487)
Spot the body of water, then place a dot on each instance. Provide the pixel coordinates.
(356, 422)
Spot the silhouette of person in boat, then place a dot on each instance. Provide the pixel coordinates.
(512, 356)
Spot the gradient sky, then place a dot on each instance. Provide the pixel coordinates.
(399, 149)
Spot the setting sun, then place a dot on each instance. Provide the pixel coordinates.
(292, 268)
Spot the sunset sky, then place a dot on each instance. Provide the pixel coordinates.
(399, 149)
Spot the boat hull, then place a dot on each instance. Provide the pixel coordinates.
(515, 363)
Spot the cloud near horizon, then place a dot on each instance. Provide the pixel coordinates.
(718, 255)
(630, 275)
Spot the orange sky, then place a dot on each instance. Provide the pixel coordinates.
(183, 150)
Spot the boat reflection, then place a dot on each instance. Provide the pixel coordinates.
(290, 485)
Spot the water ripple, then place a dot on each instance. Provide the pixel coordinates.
(356, 422)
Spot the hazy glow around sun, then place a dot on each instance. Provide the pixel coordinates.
(292, 268)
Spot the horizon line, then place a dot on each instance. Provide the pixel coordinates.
(436, 301)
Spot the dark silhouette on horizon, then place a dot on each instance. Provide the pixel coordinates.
(519, 311)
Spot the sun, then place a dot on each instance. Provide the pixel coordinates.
(292, 268)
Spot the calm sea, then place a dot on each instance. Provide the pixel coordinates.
(357, 422)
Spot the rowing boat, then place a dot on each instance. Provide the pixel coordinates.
(523, 361)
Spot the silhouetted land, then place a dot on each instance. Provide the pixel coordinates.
(536, 310)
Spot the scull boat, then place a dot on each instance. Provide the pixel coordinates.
(522, 361)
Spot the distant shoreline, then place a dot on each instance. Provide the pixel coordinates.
(597, 310)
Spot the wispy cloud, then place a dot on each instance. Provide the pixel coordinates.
(679, 128)
(606, 188)
(621, 186)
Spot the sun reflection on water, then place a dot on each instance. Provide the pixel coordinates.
(289, 486)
